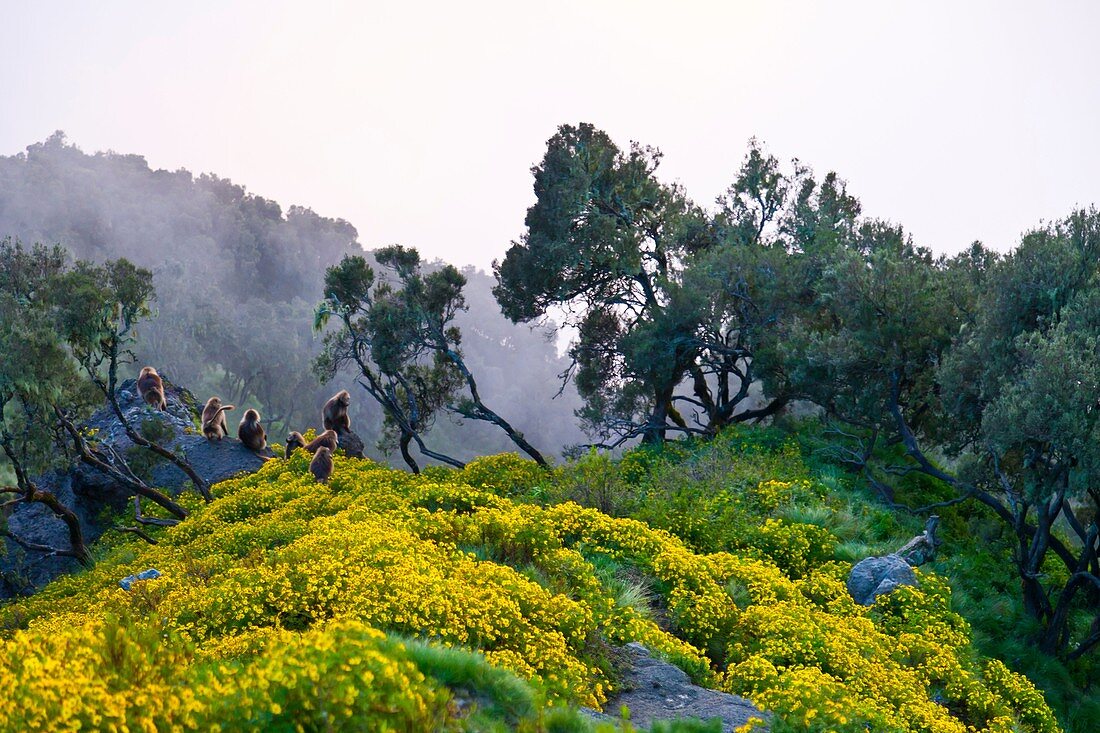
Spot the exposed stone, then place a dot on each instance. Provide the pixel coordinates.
(871, 577)
(94, 497)
(654, 690)
(128, 582)
(350, 443)
(922, 548)
(21, 572)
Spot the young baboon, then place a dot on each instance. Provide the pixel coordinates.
(251, 432)
(151, 388)
(335, 415)
(214, 426)
(327, 439)
(294, 440)
(321, 465)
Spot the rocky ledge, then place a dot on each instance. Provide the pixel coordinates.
(654, 690)
(95, 497)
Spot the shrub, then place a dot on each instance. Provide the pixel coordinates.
(279, 603)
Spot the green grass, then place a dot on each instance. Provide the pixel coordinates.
(684, 478)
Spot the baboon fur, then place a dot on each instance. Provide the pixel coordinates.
(151, 388)
(251, 432)
(321, 465)
(335, 414)
(326, 439)
(214, 426)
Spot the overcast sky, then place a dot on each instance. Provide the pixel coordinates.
(419, 122)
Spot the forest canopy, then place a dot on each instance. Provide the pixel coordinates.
(977, 373)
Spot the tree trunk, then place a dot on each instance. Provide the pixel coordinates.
(406, 438)
(655, 429)
(482, 412)
(136, 485)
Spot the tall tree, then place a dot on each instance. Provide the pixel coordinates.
(604, 242)
(36, 373)
(63, 331)
(673, 307)
(410, 393)
(98, 309)
(1022, 385)
(742, 280)
(399, 334)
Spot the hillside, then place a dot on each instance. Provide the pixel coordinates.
(288, 605)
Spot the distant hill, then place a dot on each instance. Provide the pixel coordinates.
(237, 277)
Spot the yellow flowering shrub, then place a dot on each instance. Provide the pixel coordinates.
(277, 605)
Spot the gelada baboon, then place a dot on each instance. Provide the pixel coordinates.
(327, 439)
(251, 432)
(151, 388)
(321, 465)
(294, 440)
(214, 426)
(335, 415)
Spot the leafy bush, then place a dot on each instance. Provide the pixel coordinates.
(279, 604)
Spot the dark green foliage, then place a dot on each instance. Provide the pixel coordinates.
(68, 329)
(704, 493)
(979, 373)
(673, 307)
(56, 322)
(381, 338)
(603, 241)
(399, 335)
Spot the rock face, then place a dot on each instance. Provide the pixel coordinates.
(654, 690)
(871, 577)
(94, 496)
(350, 442)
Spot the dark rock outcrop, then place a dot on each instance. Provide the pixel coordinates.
(94, 497)
(350, 443)
(871, 577)
(21, 572)
(654, 690)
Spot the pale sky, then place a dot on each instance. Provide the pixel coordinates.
(419, 122)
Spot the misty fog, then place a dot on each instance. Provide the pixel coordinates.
(237, 279)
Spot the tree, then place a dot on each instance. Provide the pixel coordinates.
(54, 336)
(35, 374)
(604, 242)
(1023, 387)
(98, 309)
(660, 291)
(985, 372)
(742, 281)
(401, 338)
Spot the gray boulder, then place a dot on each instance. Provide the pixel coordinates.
(214, 461)
(128, 582)
(872, 577)
(21, 572)
(654, 690)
